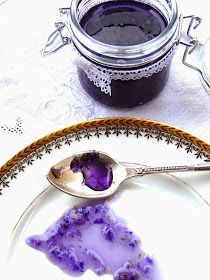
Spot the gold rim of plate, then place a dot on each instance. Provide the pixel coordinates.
(104, 122)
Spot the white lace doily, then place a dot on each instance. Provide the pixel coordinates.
(102, 77)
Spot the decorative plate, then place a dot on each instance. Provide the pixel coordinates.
(168, 212)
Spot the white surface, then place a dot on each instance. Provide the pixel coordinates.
(46, 95)
(46, 91)
(172, 221)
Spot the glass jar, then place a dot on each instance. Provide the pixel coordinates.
(126, 74)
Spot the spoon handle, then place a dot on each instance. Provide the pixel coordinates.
(140, 171)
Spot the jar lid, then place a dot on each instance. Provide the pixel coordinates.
(205, 64)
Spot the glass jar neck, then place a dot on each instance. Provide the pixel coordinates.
(124, 56)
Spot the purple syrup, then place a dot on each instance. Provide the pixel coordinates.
(97, 173)
(91, 237)
(123, 23)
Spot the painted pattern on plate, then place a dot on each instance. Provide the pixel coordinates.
(128, 127)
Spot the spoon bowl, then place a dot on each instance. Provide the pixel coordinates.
(65, 179)
(72, 183)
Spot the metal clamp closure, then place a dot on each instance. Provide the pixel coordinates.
(192, 45)
(56, 40)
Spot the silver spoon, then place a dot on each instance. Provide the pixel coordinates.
(72, 183)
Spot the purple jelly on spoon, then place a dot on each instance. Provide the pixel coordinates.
(97, 172)
(94, 174)
(89, 174)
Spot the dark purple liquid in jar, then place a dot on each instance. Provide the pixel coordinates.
(125, 23)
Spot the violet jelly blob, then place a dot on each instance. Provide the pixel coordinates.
(97, 173)
(92, 237)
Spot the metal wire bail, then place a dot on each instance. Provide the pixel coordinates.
(193, 45)
(56, 40)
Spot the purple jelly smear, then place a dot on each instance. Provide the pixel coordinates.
(97, 173)
(92, 237)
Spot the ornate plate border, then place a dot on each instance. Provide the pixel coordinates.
(98, 127)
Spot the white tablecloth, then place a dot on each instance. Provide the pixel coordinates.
(39, 95)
